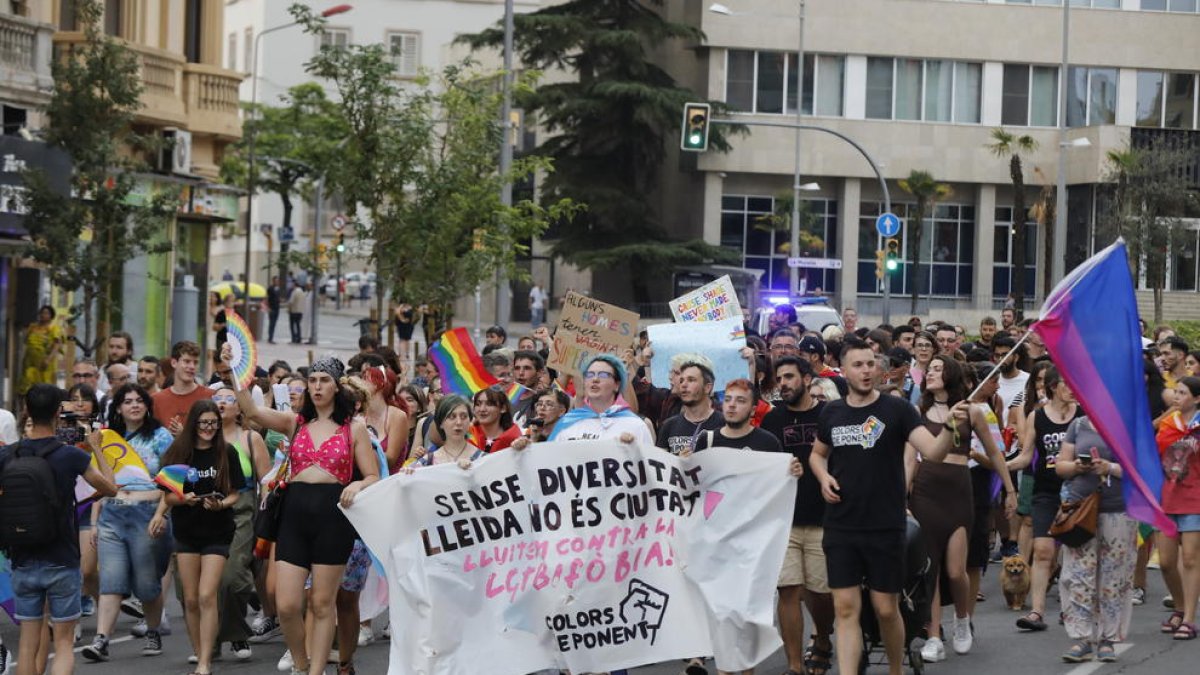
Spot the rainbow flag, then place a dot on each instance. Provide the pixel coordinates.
(459, 364)
(515, 392)
(1090, 326)
(172, 478)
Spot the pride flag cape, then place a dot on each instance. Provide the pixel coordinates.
(172, 478)
(127, 466)
(459, 364)
(1090, 326)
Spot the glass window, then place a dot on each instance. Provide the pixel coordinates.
(908, 89)
(1183, 263)
(1014, 107)
(733, 228)
(968, 83)
(939, 90)
(770, 82)
(1077, 98)
(879, 88)
(1149, 98)
(946, 250)
(1182, 5)
(742, 219)
(1043, 97)
(832, 73)
(791, 85)
(1160, 5)
(1180, 101)
(1102, 103)
(739, 83)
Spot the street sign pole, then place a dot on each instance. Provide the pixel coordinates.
(888, 225)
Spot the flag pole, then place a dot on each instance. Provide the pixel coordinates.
(997, 367)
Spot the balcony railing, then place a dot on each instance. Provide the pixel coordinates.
(25, 48)
(212, 100)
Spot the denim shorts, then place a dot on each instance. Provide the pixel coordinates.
(131, 563)
(38, 583)
(1189, 522)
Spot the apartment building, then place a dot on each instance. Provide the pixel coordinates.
(921, 84)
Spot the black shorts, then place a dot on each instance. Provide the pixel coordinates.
(202, 546)
(1045, 507)
(313, 531)
(979, 546)
(874, 557)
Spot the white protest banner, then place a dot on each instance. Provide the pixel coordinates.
(588, 555)
(588, 327)
(714, 301)
(720, 341)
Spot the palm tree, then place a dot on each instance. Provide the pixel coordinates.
(923, 186)
(1005, 144)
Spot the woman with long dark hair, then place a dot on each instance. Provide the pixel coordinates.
(924, 347)
(942, 499)
(130, 541)
(494, 429)
(203, 521)
(315, 538)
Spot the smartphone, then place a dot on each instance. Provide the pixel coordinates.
(1086, 460)
(214, 495)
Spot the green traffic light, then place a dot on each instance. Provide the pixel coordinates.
(695, 140)
(892, 264)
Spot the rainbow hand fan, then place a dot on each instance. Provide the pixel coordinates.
(245, 352)
(172, 478)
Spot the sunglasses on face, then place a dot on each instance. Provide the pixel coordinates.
(223, 399)
(603, 375)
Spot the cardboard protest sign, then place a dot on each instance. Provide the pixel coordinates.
(714, 301)
(588, 555)
(587, 327)
(720, 341)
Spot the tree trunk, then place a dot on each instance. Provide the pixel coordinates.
(916, 227)
(1018, 240)
(288, 207)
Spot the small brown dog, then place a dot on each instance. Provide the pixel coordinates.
(1014, 582)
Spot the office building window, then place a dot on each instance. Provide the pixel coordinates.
(748, 227)
(1029, 96)
(406, 52)
(1171, 5)
(947, 250)
(923, 89)
(113, 15)
(765, 82)
(1002, 253)
(248, 41)
(231, 52)
(193, 30)
(1091, 96)
(1167, 100)
(1098, 4)
(335, 38)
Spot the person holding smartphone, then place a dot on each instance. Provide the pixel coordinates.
(203, 521)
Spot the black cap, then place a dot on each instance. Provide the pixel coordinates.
(899, 356)
(812, 345)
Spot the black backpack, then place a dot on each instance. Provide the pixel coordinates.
(31, 510)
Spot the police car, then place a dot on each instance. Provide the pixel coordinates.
(813, 312)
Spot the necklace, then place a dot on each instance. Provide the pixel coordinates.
(459, 454)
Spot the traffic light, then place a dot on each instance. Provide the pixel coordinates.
(892, 255)
(695, 127)
(340, 245)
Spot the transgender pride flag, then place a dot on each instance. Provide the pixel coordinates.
(1090, 325)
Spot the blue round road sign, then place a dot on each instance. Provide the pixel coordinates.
(888, 225)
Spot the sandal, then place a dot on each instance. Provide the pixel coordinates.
(1079, 652)
(1032, 624)
(817, 661)
(1106, 652)
(1172, 623)
(1186, 631)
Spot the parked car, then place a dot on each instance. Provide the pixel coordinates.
(355, 282)
(813, 312)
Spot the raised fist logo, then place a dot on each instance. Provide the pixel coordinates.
(644, 604)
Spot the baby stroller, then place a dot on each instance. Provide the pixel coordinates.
(914, 604)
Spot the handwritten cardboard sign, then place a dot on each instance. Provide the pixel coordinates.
(587, 327)
(586, 555)
(714, 301)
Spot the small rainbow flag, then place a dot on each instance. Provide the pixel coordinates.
(459, 364)
(515, 392)
(172, 478)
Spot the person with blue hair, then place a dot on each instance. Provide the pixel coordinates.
(602, 415)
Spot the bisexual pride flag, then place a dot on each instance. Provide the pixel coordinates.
(462, 369)
(1090, 326)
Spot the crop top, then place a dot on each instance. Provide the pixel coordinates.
(334, 456)
(963, 447)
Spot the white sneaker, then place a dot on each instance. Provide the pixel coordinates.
(933, 651)
(285, 662)
(365, 636)
(962, 639)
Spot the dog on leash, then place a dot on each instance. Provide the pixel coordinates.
(1014, 582)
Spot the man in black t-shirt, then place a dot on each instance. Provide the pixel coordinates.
(738, 409)
(794, 423)
(858, 459)
(680, 432)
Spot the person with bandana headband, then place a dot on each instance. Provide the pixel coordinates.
(315, 538)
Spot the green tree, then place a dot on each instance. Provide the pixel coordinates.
(291, 142)
(1005, 144)
(85, 240)
(923, 186)
(1152, 194)
(608, 128)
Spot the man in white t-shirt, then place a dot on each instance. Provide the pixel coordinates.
(1012, 378)
(537, 305)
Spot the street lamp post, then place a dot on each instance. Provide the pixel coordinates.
(503, 293)
(251, 177)
(1058, 264)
